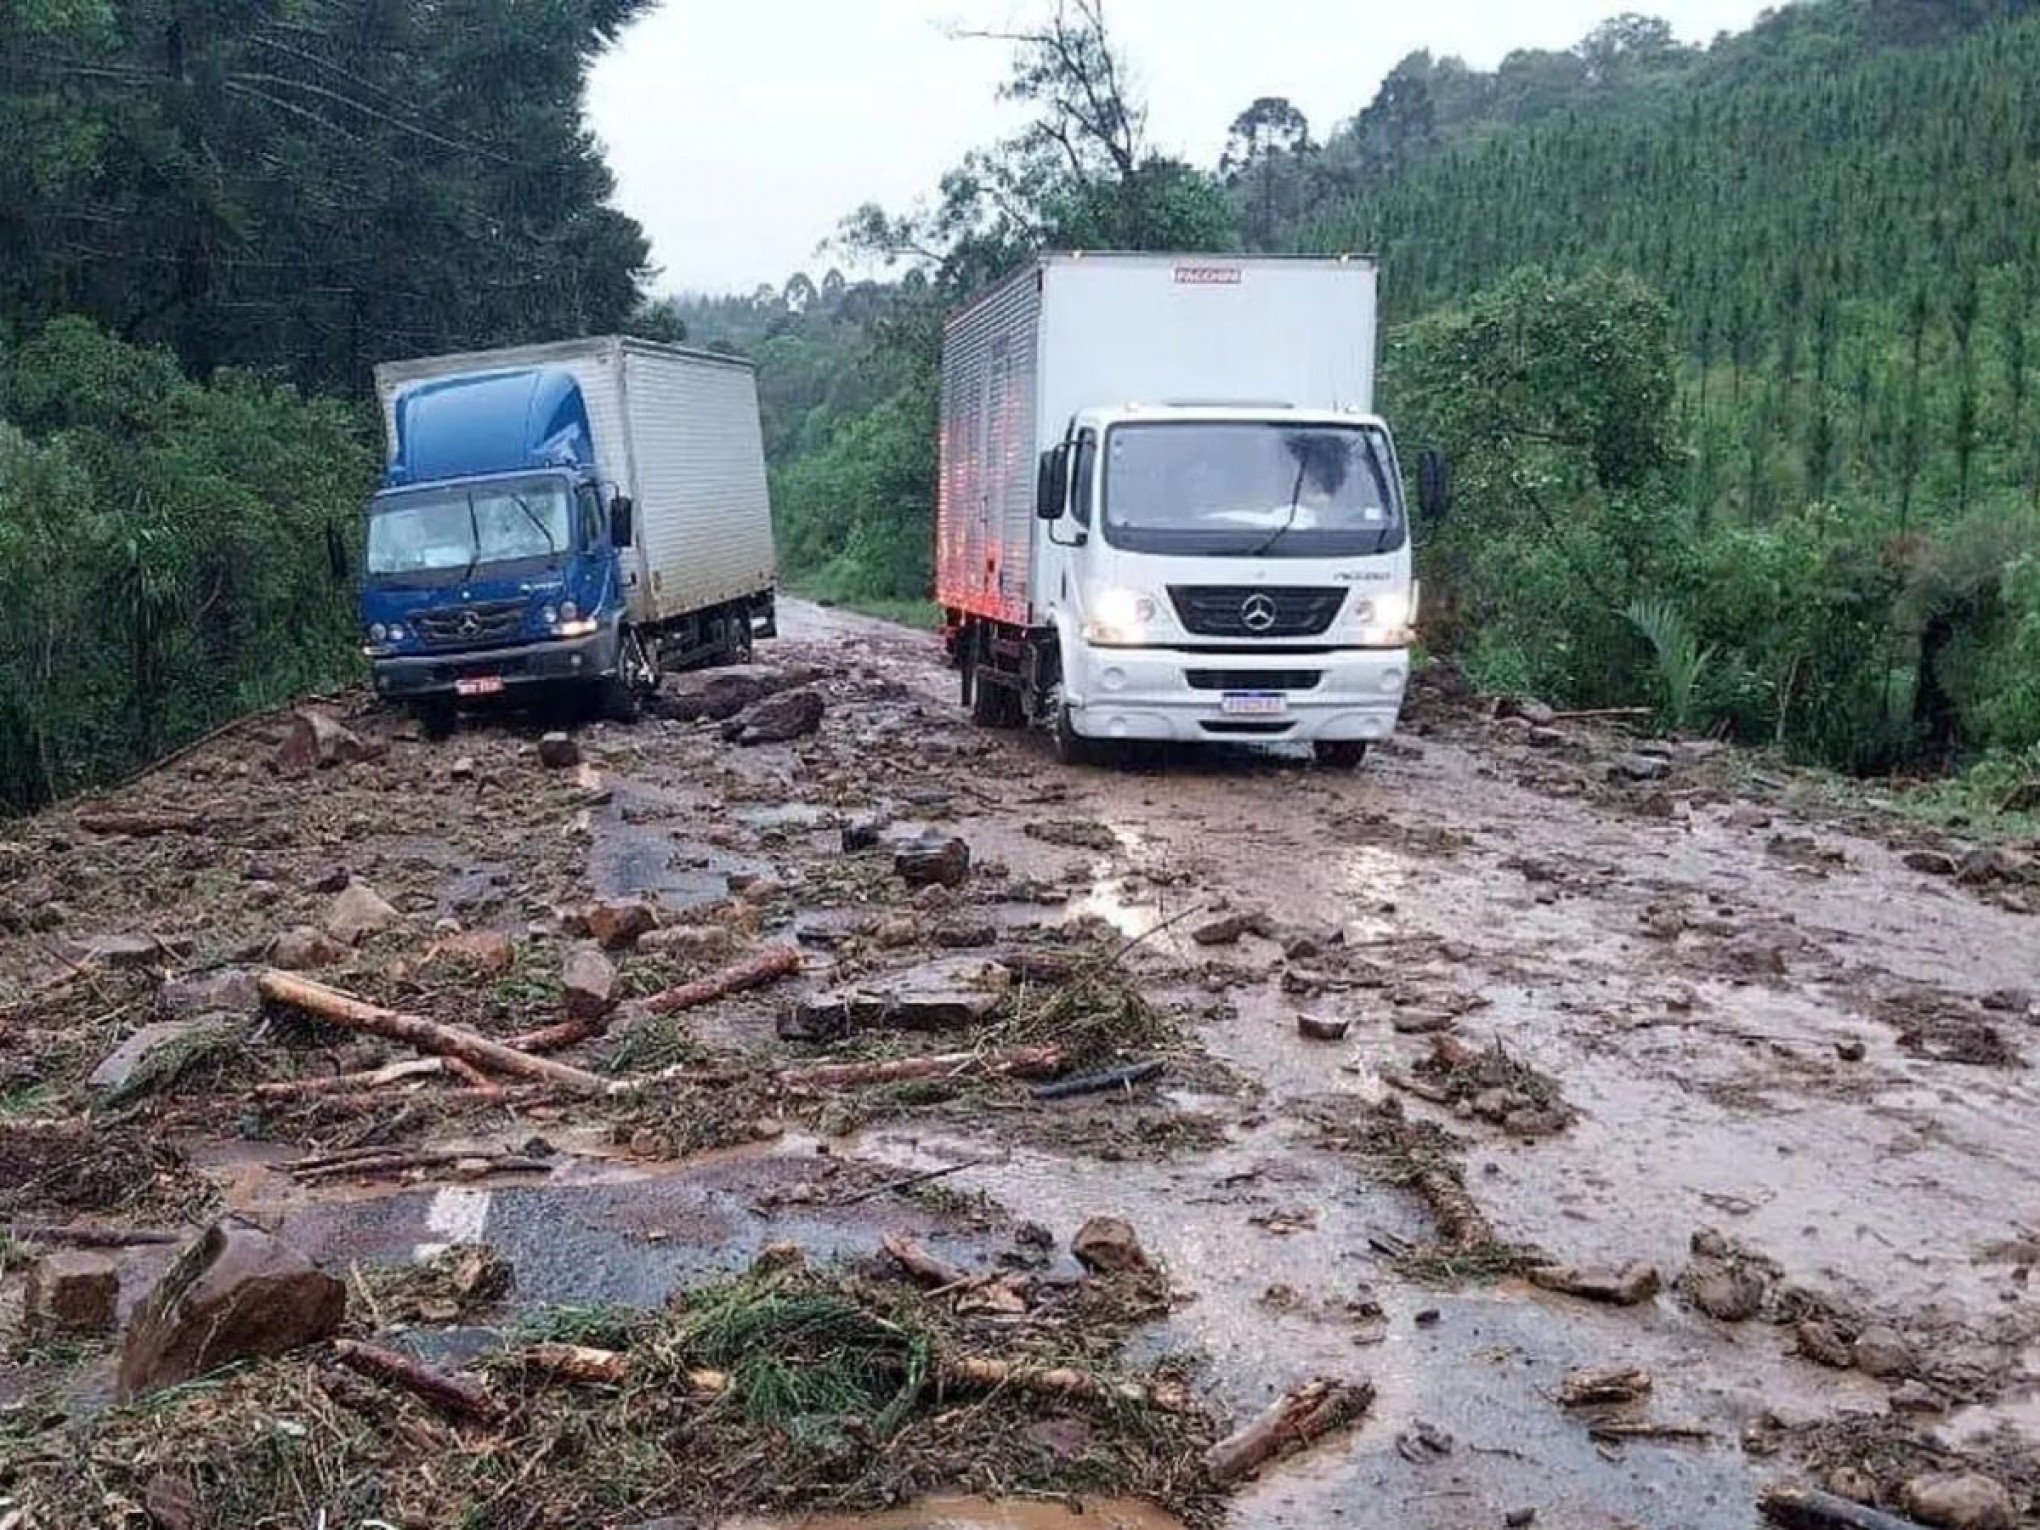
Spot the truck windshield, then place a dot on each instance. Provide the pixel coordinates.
(449, 531)
(1243, 488)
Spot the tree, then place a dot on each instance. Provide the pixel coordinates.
(1264, 149)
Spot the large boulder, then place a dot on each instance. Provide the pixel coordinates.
(71, 1291)
(316, 741)
(777, 719)
(589, 980)
(936, 860)
(235, 1293)
(1107, 1245)
(613, 923)
(1960, 1501)
(357, 913)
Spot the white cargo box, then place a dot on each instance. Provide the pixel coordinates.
(675, 429)
(1072, 332)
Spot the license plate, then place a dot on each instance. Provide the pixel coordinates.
(1253, 703)
(478, 685)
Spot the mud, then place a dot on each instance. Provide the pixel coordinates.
(1728, 1003)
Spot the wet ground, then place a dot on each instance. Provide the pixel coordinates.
(1764, 1021)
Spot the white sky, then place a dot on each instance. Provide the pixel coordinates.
(742, 131)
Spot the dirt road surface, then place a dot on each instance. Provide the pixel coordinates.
(1673, 1010)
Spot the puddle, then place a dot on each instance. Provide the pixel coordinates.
(981, 1514)
(641, 860)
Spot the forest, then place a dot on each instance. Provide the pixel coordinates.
(1733, 347)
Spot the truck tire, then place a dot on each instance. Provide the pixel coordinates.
(637, 676)
(994, 705)
(1340, 753)
(438, 717)
(1071, 747)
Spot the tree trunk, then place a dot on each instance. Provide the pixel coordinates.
(1301, 1415)
(767, 966)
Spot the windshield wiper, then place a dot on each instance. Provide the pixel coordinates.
(474, 540)
(552, 547)
(1289, 520)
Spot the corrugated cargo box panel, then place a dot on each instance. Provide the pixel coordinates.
(984, 520)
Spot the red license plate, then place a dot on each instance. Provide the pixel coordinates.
(478, 685)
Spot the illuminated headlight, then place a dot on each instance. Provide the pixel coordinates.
(396, 632)
(1119, 616)
(378, 633)
(581, 628)
(1387, 619)
(549, 616)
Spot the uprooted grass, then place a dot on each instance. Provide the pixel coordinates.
(833, 1398)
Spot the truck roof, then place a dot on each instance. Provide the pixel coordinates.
(1188, 260)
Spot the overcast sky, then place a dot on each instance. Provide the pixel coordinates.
(742, 131)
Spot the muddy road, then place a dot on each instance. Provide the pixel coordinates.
(1585, 1005)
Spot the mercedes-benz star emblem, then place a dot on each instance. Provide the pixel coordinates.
(1257, 612)
(470, 624)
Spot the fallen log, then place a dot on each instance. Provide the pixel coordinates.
(137, 823)
(922, 1265)
(766, 966)
(1302, 1415)
(453, 1394)
(577, 1362)
(1459, 1217)
(1020, 1062)
(92, 1237)
(1643, 1429)
(555, 1038)
(1099, 1082)
(343, 1009)
(1617, 1384)
(344, 1083)
(1799, 1508)
(983, 1374)
(424, 1158)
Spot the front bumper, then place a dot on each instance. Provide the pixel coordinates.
(1178, 694)
(551, 660)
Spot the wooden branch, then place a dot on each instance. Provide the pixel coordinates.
(399, 1162)
(554, 1038)
(137, 823)
(452, 1394)
(344, 1009)
(1810, 1509)
(922, 1265)
(1019, 1062)
(1305, 1413)
(577, 1362)
(1590, 1388)
(985, 1374)
(346, 1083)
(92, 1237)
(1591, 714)
(767, 966)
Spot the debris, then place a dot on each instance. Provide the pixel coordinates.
(1623, 1285)
(1106, 1245)
(357, 913)
(447, 1392)
(1882, 1352)
(921, 1264)
(91, 1237)
(235, 1293)
(344, 1009)
(119, 1065)
(469, 1163)
(1019, 1062)
(123, 952)
(487, 952)
(1960, 1501)
(954, 992)
(1323, 1027)
(1933, 863)
(554, 1038)
(71, 1292)
(1729, 1291)
(1613, 1429)
(303, 948)
(588, 979)
(1850, 1050)
(558, 751)
(699, 942)
(617, 923)
(1488, 1083)
(1820, 1343)
(1592, 1388)
(577, 1362)
(1639, 767)
(138, 824)
(1101, 1080)
(317, 740)
(755, 971)
(170, 1502)
(1515, 1519)
(1423, 1443)
(1227, 929)
(776, 719)
(345, 1083)
(933, 861)
(1800, 1508)
(1301, 1416)
(1059, 1381)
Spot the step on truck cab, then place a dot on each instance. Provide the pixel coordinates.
(577, 515)
(1165, 508)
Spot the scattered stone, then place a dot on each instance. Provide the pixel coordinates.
(302, 948)
(703, 942)
(1421, 1022)
(1850, 1049)
(934, 861)
(895, 931)
(1107, 1245)
(488, 952)
(1933, 863)
(1531, 711)
(235, 1293)
(1623, 1285)
(589, 979)
(1747, 815)
(1544, 738)
(2007, 1001)
(317, 741)
(1598, 1388)
(716, 694)
(357, 913)
(1820, 1343)
(613, 924)
(1915, 1396)
(119, 1065)
(170, 1502)
(558, 751)
(1985, 863)
(777, 719)
(964, 932)
(331, 880)
(123, 951)
(230, 991)
(1323, 1027)
(1639, 767)
(1428, 1317)
(1960, 1501)
(1728, 1292)
(1881, 1351)
(862, 834)
(1228, 928)
(1852, 1483)
(462, 769)
(71, 1291)
(954, 992)
(828, 929)
(1515, 1519)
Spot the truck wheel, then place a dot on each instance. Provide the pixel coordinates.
(636, 677)
(1071, 747)
(438, 717)
(1340, 753)
(993, 705)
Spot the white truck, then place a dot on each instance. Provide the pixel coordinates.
(577, 514)
(1165, 510)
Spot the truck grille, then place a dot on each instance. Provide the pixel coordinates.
(1253, 611)
(471, 626)
(1253, 679)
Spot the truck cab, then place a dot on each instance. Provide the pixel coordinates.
(1226, 572)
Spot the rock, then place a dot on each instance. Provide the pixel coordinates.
(2007, 1001)
(1730, 1293)
(1421, 1022)
(123, 951)
(777, 719)
(590, 982)
(489, 952)
(331, 880)
(1323, 1027)
(1915, 1396)
(1107, 1245)
(716, 694)
(1820, 1343)
(1850, 1049)
(965, 932)
(558, 751)
(758, 890)
(1515, 1519)
(462, 769)
(1933, 863)
(1533, 712)
(702, 942)
(934, 861)
(170, 1502)
(1639, 767)
(317, 741)
(303, 948)
(1544, 738)
(615, 923)
(1747, 815)
(862, 833)
(941, 995)
(896, 931)
(230, 991)
(357, 913)
(1960, 1501)
(1226, 929)
(119, 1065)
(71, 1291)
(235, 1293)
(1624, 1285)
(1852, 1483)
(1881, 1351)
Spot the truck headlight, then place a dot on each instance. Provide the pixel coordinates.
(396, 632)
(569, 611)
(1387, 619)
(1118, 616)
(378, 633)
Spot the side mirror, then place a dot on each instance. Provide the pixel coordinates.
(1434, 483)
(336, 554)
(1052, 483)
(620, 517)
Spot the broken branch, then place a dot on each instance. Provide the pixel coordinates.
(922, 1265)
(1058, 1381)
(767, 966)
(1810, 1509)
(1305, 1413)
(454, 1394)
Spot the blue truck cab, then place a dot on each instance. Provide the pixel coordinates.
(492, 554)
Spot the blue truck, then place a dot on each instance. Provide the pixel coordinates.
(578, 516)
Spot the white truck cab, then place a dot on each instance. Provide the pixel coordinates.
(1166, 510)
